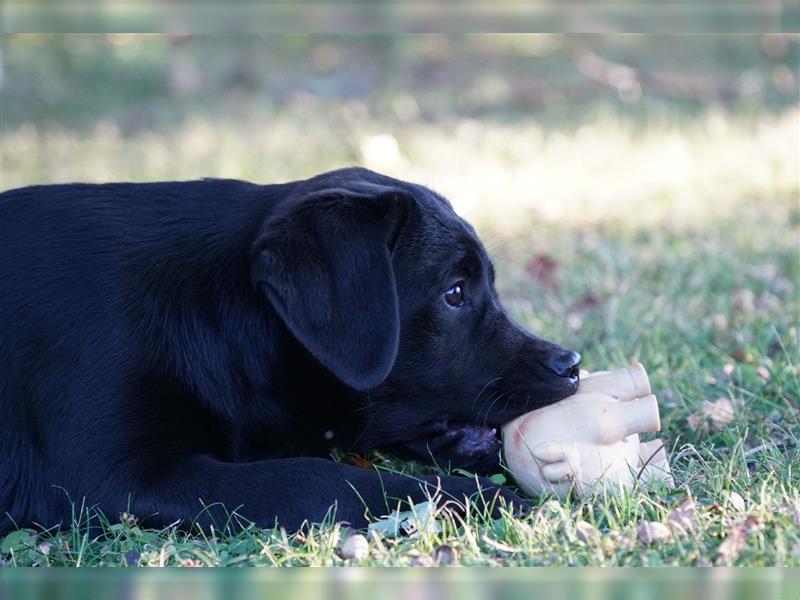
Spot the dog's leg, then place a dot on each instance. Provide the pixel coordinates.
(291, 491)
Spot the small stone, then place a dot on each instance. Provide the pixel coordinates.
(132, 558)
(652, 531)
(728, 368)
(444, 555)
(737, 502)
(574, 322)
(743, 300)
(586, 532)
(356, 546)
(720, 322)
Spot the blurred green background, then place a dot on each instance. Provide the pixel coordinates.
(560, 126)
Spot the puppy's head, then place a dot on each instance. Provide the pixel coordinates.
(394, 294)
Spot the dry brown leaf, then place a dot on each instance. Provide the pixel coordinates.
(719, 412)
(738, 354)
(588, 301)
(543, 268)
(752, 523)
(652, 531)
(730, 548)
(717, 415)
(681, 518)
(733, 544)
(696, 422)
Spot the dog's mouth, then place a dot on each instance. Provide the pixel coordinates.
(464, 438)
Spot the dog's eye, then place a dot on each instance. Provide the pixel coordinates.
(455, 295)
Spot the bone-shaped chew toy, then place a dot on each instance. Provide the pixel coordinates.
(590, 440)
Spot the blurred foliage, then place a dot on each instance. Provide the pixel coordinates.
(156, 81)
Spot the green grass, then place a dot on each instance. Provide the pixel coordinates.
(671, 240)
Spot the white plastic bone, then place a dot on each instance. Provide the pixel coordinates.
(589, 440)
(622, 384)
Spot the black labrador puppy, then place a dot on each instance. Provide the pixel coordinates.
(170, 346)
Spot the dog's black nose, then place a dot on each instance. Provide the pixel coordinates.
(565, 364)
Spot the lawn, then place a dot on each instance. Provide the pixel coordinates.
(651, 229)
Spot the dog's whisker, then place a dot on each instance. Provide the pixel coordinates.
(490, 382)
(488, 410)
(363, 430)
(361, 409)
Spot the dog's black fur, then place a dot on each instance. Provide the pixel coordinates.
(169, 345)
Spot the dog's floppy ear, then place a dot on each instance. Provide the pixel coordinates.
(325, 266)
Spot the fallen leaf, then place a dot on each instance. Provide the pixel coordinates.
(730, 548)
(542, 268)
(17, 540)
(681, 518)
(587, 301)
(752, 523)
(734, 542)
(498, 479)
(357, 460)
(652, 531)
(695, 422)
(409, 522)
(720, 412)
(738, 354)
